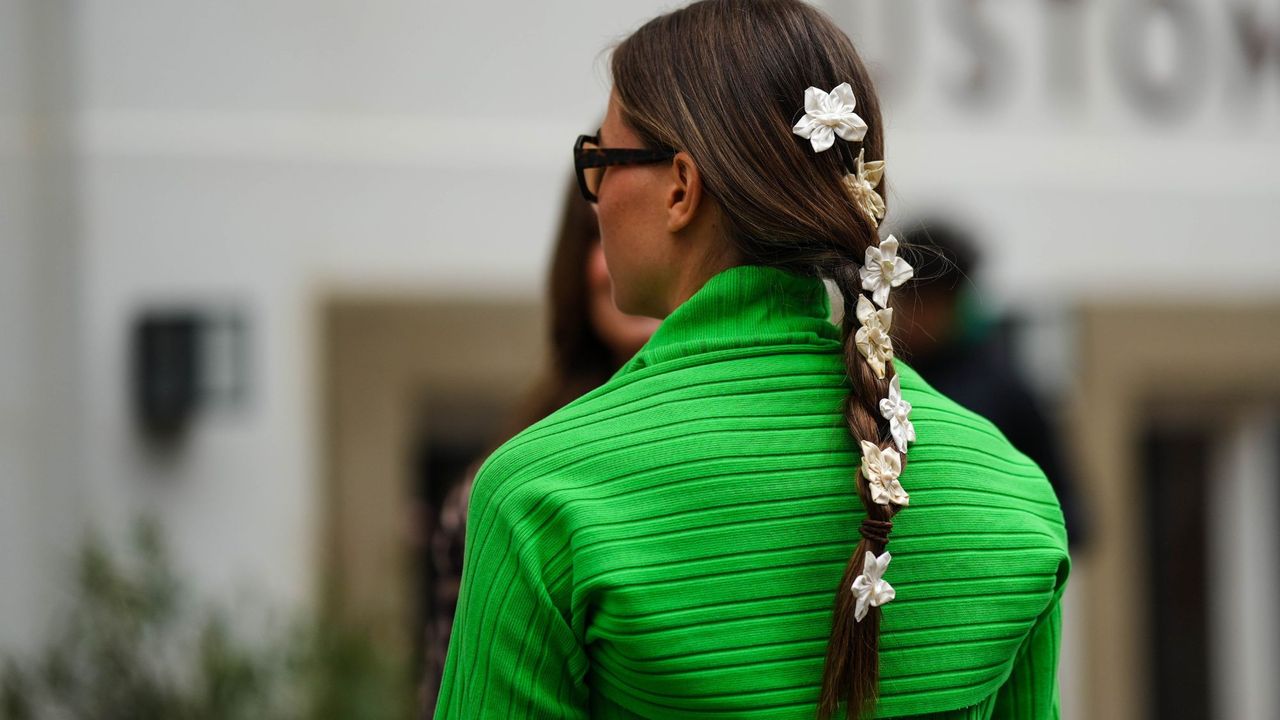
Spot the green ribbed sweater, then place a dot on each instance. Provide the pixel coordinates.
(669, 545)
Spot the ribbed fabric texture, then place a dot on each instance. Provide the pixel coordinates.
(670, 544)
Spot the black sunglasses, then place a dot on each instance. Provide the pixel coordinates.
(590, 160)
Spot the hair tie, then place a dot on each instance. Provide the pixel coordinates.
(876, 531)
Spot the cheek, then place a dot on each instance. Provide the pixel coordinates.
(617, 221)
(612, 211)
(629, 215)
(628, 196)
(606, 221)
(621, 267)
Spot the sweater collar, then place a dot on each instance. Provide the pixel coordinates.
(743, 306)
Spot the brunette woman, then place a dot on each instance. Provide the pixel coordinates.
(706, 534)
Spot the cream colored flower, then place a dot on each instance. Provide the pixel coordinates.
(896, 411)
(862, 185)
(883, 269)
(881, 469)
(872, 339)
(870, 586)
(828, 114)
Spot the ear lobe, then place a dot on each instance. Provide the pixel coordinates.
(685, 196)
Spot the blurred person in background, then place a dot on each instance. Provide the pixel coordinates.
(706, 533)
(969, 355)
(589, 340)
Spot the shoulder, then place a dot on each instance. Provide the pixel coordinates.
(965, 476)
(661, 395)
(543, 467)
(960, 450)
(980, 555)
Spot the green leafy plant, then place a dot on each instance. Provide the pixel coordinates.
(135, 647)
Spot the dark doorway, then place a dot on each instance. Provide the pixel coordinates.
(1175, 469)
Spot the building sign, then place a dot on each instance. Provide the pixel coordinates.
(1161, 61)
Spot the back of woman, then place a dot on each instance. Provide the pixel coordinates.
(706, 535)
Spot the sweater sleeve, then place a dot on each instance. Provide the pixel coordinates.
(512, 653)
(1031, 692)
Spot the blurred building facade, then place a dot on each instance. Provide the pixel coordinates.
(302, 162)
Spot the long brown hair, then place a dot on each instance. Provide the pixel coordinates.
(724, 80)
(579, 359)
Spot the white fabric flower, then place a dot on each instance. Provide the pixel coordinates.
(862, 185)
(883, 269)
(828, 115)
(870, 586)
(872, 339)
(881, 469)
(896, 411)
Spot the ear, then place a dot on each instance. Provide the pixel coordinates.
(684, 198)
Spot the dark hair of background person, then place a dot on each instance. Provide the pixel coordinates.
(971, 358)
(580, 360)
(724, 80)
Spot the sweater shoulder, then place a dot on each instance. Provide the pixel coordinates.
(659, 396)
(982, 556)
(960, 451)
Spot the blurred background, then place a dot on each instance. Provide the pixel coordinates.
(273, 276)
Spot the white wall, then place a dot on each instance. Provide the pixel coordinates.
(16, 320)
(41, 508)
(257, 154)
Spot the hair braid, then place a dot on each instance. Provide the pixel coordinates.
(851, 674)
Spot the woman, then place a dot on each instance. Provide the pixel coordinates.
(590, 339)
(705, 535)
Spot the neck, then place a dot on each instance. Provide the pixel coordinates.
(694, 273)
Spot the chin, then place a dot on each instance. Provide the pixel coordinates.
(624, 304)
(627, 304)
(638, 295)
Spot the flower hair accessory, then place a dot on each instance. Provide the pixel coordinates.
(895, 410)
(870, 587)
(862, 185)
(883, 269)
(827, 114)
(872, 339)
(881, 468)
